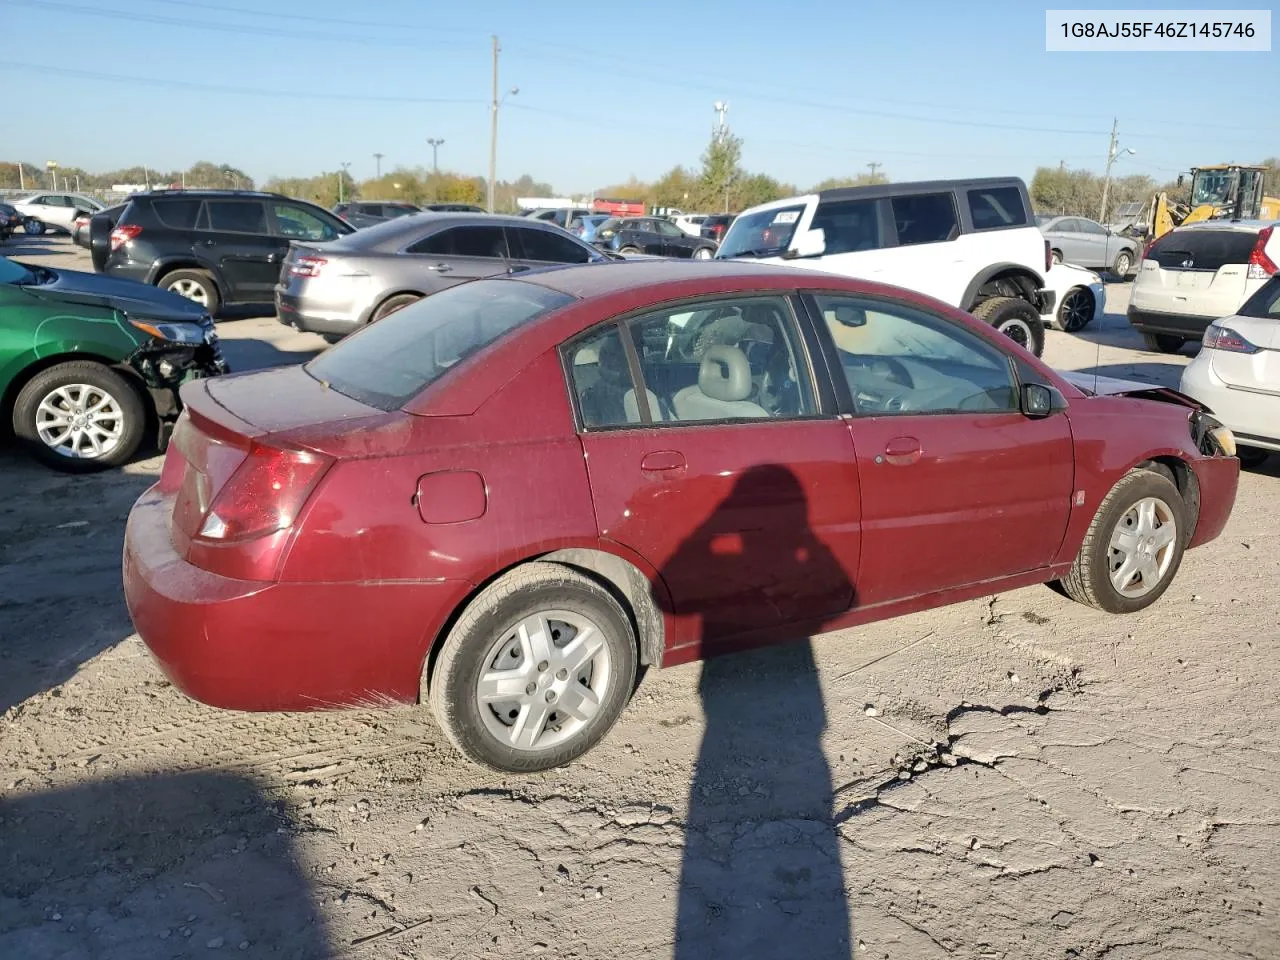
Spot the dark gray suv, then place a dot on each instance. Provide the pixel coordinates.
(333, 288)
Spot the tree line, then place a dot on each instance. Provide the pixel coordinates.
(221, 176)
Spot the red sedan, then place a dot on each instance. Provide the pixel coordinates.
(507, 497)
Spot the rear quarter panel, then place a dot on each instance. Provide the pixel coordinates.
(1112, 435)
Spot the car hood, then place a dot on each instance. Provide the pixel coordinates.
(1113, 387)
(129, 296)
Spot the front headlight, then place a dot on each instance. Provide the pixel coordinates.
(191, 333)
(1211, 437)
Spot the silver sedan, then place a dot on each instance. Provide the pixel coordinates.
(1087, 243)
(333, 288)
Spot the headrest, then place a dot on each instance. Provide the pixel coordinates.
(612, 363)
(725, 373)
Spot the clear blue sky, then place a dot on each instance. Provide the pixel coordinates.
(930, 88)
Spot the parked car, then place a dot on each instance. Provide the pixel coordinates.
(531, 486)
(970, 243)
(10, 221)
(84, 358)
(1236, 374)
(335, 288)
(1079, 294)
(586, 227)
(1087, 243)
(560, 216)
(1195, 274)
(56, 211)
(365, 213)
(452, 208)
(716, 225)
(690, 223)
(216, 247)
(81, 234)
(653, 236)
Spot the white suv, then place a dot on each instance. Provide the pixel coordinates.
(973, 244)
(1196, 274)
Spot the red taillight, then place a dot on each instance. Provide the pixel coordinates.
(123, 234)
(1224, 338)
(307, 266)
(265, 494)
(1048, 257)
(1261, 266)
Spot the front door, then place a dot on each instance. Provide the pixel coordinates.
(675, 243)
(958, 486)
(237, 239)
(719, 469)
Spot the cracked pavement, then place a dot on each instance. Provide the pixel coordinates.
(1011, 778)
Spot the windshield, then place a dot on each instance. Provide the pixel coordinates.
(390, 362)
(16, 273)
(1212, 186)
(765, 233)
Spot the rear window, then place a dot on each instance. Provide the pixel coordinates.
(1202, 249)
(389, 363)
(995, 207)
(1265, 302)
(179, 214)
(925, 218)
(237, 216)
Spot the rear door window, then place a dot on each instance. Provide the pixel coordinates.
(488, 242)
(925, 218)
(178, 213)
(994, 207)
(237, 216)
(1202, 249)
(371, 209)
(546, 247)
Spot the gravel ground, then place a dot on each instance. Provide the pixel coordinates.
(1101, 786)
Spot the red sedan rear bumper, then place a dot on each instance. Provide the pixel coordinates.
(252, 645)
(1218, 478)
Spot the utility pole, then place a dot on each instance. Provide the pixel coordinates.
(493, 127)
(22, 177)
(435, 153)
(1113, 151)
(377, 159)
(342, 176)
(874, 167)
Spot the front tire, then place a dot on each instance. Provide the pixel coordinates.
(536, 670)
(630, 251)
(1163, 342)
(1252, 457)
(1016, 319)
(33, 226)
(1133, 547)
(79, 417)
(1057, 256)
(1123, 264)
(1076, 310)
(702, 253)
(194, 285)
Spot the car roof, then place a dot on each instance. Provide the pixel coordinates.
(583, 281)
(878, 190)
(1245, 226)
(390, 233)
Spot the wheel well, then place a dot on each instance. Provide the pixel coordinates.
(168, 268)
(1006, 283)
(628, 585)
(44, 363)
(1184, 478)
(396, 293)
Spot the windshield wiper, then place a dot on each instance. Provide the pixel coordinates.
(757, 252)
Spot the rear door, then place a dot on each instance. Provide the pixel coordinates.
(724, 468)
(1201, 272)
(958, 486)
(531, 247)
(237, 238)
(924, 251)
(675, 242)
(466, 252)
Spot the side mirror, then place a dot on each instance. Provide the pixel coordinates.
(811, 243)
(1040, 401)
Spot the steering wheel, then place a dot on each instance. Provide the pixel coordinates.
(894, 370)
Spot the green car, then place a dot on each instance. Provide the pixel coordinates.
(90, 366)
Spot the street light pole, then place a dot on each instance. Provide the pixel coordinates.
(435, 155)
(342, 176)
(377, 159)
(493, 127)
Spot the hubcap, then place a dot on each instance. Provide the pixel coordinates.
(544, 680)
(1017, 331)
(1077, 310)
(1142, 547)
(80, 421)
(192, 290)
(703, 254)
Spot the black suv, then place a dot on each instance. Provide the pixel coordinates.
(215, 247)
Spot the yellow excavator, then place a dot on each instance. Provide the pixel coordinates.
(1230, 191)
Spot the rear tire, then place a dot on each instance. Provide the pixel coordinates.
(702, 253)
(1163, 342)
(492, 642)
(1123, 264)
(1076, 310)
(632, 251)
(194, 285)
(61, 402)
(1016, 319)
(1057, 256)
(1120, 534)
(392, 304)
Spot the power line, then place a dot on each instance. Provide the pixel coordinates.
(219, 88)
(313, 18)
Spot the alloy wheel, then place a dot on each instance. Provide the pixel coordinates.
(80, 421)
(1077, 310)
(192, 290)
(1017, 330)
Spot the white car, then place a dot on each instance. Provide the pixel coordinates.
(1080, 297)
(970, 243)
(690, 223)
(1236, 374)
(56, 210)
(1195, 274)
